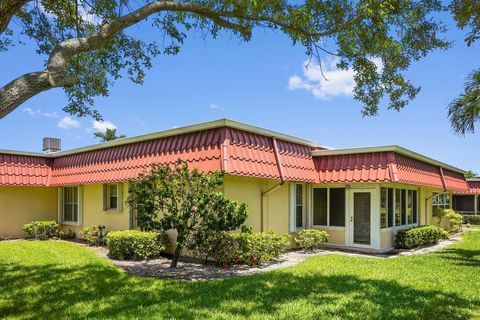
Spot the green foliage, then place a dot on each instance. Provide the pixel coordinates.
(249, 248)
(136, 245)
(66, 235)
(453, 221)
(41, 280)
(396, 32)
(108, 135)
(471, 218)
(464, 111)
(173, 197)
(95, 235)
(311, 239)
(42, 230)
(470, 174)
(419, 236)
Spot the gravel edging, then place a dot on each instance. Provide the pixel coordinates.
(195, 270)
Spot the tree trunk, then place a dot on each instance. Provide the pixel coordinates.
(178, 250)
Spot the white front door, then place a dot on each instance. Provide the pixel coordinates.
(361, 222)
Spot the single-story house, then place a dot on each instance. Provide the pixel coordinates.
(468, 202)
(360, 196)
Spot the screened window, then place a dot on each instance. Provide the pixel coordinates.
(409, 206)
(320, 210)
(111, 197)
(70, 204)
(415, 207)
(337, 207)
(391, 207)
(398, 207)
(299, 206)
(440, 201)
(404, 207)
(383, 207)
(329, 207)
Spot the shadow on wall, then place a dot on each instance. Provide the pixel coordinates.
(98, 290)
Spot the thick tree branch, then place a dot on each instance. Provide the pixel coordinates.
(8, 8)
(55, 75)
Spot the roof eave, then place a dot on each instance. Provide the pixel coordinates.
(388, 148)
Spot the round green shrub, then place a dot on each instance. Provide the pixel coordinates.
(135, 245)
(311, 239)
(453, 220)
(251, 248)
(419, 236)
(42, 230)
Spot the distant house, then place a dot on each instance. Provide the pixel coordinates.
(361, 196)
(468, 202)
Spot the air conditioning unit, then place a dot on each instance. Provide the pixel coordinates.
(51, 145)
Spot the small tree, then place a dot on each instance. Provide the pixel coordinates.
(188, 201)
(108, 135)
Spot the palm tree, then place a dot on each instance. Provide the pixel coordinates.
(108, 135)
(470, 174)
(464, 111)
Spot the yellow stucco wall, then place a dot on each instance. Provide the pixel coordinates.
(275, 204)
(20, 205)
(335, 236)
(93, 214)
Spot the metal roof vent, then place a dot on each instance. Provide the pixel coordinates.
(51, 145)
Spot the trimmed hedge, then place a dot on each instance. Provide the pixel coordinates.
(42, 230)
(311, 239)
(135, 245)
(471, 218)
(251, 248)
(419, 236)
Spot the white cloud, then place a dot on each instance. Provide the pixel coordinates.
(338, 82)
(102, 126)
(52, 114)
(216, 107)
(68, 123)
(31, 112)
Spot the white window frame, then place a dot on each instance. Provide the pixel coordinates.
(106, 197)
(328, 209)
(404, 203)
(79, 206)
(293, 207)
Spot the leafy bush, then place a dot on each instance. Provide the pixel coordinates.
(136, 245)
(65, 235)
(453, 220)
(311, 239)
(249, 248)
(470, 218)
(95, 235)
(419, 236)
(42, 230)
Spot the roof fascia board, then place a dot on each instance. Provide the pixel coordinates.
(26, 153)
(389, 148)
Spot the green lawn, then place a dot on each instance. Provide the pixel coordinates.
(472, 226)
(41, 280)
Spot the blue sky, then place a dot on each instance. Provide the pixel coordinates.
(249, 82)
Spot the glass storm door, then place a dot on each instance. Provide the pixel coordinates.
(361, 217)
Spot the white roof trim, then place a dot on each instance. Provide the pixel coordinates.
(173, 132)
(26, 153)
(389, 148)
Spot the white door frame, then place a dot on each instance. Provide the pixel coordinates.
(374, 219)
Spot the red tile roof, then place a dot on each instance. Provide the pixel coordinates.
(384, 167)
(236, 149)
(474, 187)
(21, 170)
(200, 150)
